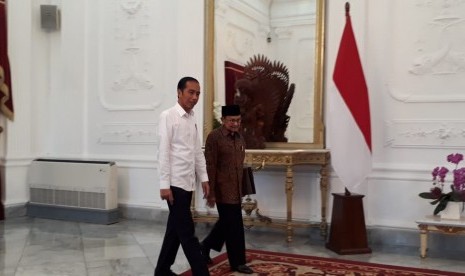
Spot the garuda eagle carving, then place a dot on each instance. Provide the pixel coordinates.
(264, 95)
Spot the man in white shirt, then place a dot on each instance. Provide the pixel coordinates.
(181, 164)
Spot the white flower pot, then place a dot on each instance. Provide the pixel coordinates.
(453, 210)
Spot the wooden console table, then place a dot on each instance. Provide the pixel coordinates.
(436, 224)
(287, 158)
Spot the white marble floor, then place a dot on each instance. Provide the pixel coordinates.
(32, 246)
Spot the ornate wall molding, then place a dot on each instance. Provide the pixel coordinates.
(412, 96)
(241, 40)
(245, 8)
(425, 134)
(127, 60)
(242, 27)
(432, 52)
(128, 133)
(283, 32)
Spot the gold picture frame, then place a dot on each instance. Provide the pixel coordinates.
(318, 135)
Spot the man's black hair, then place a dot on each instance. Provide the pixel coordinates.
(182, 82)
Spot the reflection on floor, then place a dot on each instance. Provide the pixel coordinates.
(31, 246)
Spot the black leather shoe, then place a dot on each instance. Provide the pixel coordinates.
(243, 269)
(166, 273)
(206, 253)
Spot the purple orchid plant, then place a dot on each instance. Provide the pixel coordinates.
(457, 192)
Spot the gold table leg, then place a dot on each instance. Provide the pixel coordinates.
(289, 195)
(423, 240)
(324, 199)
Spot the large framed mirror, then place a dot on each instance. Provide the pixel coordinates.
(290, 32)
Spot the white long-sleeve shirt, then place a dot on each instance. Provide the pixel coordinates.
(180, 156)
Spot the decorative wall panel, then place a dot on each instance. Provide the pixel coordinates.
(426, 134)
(130, 55)
(128, 133)
(428, 58)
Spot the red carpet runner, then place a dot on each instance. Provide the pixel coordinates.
(283, 264)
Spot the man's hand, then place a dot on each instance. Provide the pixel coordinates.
(166, 194)
(211, 201)
(206, 189)
(206, 195)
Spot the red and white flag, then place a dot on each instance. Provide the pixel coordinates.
(349, 125)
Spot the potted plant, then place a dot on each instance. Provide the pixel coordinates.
(437, 193)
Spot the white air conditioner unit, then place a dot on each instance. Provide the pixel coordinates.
(74, 190)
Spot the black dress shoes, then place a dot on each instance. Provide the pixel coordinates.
(206, 253)
(166, 273)
(243, 269)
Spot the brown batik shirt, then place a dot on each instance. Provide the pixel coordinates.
(225, 154)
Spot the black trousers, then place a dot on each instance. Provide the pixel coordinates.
(228, 229)
(180, 230)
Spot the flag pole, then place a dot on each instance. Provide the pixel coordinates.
(348, 234)
(347, 8)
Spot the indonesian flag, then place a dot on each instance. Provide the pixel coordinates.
(6, 98)
(349, 124)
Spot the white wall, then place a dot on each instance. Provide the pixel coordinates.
(18, 135)
(94, 88)
(416, 114)
(73, 97)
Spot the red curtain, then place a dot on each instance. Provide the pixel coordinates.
(6, 98)
(232, 72)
